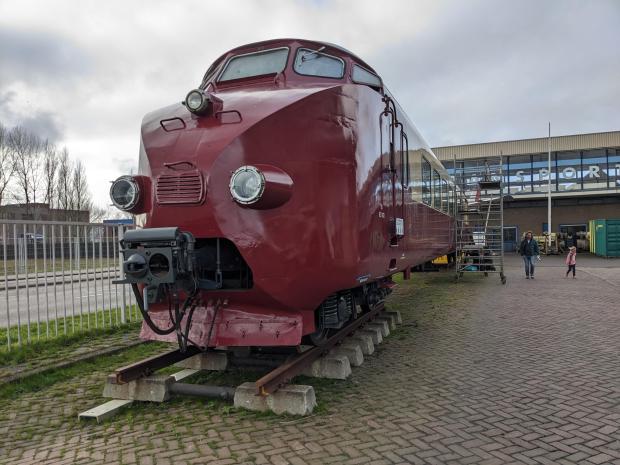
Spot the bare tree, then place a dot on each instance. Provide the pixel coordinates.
(26, 147)
(81, 196)
(50, 164)
(64, 182)
(7, 161)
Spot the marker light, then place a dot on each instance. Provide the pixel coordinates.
(197, 101)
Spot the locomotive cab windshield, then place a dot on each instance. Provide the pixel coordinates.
(268, 62)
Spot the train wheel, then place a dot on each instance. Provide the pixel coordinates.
(317, 338)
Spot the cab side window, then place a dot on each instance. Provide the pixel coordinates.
(361, 76)
(426, 182)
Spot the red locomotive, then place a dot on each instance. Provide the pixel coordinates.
(278, 199)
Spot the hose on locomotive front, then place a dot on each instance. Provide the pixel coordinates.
(182, 333)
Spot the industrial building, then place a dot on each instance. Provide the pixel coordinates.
(585, 180)
(41, 212)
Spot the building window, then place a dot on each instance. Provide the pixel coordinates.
(594, 169)
(569, 171)
(426, 182)
(505, 174)
(520, 174)
(540, 172)
(613, 167)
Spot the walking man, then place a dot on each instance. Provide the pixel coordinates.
(528, 250)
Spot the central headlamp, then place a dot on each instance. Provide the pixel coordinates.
(247, 185)
(197, 102)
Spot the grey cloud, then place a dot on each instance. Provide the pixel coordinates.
(501, 70)
(44, 124)
(36, 57)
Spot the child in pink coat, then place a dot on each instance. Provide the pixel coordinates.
(571, 260)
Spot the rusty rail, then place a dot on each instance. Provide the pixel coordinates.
(273, 380)
(150, 365)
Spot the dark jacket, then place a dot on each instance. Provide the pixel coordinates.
(530, 249)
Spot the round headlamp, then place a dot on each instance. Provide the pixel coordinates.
(125, 193)
(197, 101)
(247, 185)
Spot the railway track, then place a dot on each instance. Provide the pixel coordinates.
(273, 380)
(266, 385)
(285, 365)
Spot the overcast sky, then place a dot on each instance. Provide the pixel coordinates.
(83, 73)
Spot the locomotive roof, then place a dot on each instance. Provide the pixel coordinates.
(290, 40)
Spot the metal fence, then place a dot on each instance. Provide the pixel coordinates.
(57, 279)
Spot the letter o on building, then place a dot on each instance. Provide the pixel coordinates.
(569, 172)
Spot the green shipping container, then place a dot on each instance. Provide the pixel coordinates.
(605, 238)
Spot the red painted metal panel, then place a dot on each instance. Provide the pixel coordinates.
(333, 228)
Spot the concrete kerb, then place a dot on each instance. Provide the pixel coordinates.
(39, 279)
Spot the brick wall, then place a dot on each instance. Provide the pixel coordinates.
(532, 218)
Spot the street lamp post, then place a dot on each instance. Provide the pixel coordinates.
(549, 191)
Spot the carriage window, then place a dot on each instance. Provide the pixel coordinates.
(361, 76)
(445, 198)
(255, 64)
(405, 179)
(314, 63)
(436, 190)
(426, 182)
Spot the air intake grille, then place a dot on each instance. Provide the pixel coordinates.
(184, 187)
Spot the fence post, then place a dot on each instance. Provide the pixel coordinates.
(119, 235)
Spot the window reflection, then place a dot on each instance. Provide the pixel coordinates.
(593, 172)
(540, 173)
(569, 169)
(520, 174)
(426, 182)
(613, 170)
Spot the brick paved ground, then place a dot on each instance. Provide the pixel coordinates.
(478, 373)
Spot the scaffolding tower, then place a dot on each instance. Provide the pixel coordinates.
(479, 217)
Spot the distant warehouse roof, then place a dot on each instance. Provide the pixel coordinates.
(525, 146)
